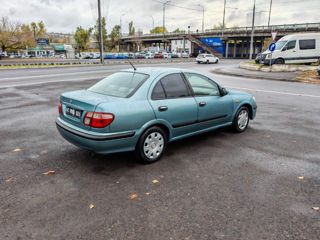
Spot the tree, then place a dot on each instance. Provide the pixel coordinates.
(96, 33)
(82, 38)
(15, 36)
(177, 30)
(158, 30)
(38, 29)
(266, 43)
(132, 30)
(114, 36)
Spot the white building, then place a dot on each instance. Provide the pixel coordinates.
(177, 45)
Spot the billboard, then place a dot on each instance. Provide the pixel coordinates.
(42, 41)
(215, 43)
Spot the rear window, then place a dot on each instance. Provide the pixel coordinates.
(120, 84)
(307, 44)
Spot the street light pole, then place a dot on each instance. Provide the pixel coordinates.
(269, 13)
(252, 31)
(202, 17)
(120, 31)
(224, 14)
(100, 32)
(152, 21)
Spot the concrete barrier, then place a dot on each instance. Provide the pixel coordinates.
(276, 67)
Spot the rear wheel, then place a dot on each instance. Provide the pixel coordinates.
(241, 120)
(151, 145)
(207, 62)
(216, 62)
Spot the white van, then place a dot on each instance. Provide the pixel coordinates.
(295, 48)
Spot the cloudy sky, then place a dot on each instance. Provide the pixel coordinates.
(65, 15)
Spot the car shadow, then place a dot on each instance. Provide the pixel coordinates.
(111, 163)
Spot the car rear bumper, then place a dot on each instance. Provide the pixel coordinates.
(99, 143)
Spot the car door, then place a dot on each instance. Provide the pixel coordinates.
(289, 52)
(213, 108)
(171, 101)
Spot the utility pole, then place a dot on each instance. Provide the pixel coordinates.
(252, 31)
(100, 32)
(269, 13)
(202, 17)
(164, 16)
(224, 14)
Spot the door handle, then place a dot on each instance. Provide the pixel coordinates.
(163, 108)
(202, 104)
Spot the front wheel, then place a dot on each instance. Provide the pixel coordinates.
(241, 120)
(151, 145)
(278, 61)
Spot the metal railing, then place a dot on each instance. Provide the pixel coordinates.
(283, 27)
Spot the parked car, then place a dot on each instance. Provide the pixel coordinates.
(295, 48)
(207, 58)
(158, 55)
(149, 55)
(174, 55)
(258, 59)
(166, 55)
(184, 55)
(142, 110)
(141, 55)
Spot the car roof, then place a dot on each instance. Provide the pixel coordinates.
(156, 71)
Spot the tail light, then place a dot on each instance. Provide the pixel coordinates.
(60, 108)
(203, 57)
(97, 120)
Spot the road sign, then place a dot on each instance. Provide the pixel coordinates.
(272, 47)
(274, 35)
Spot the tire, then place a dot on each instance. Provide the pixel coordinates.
(207, 62)
(198, 62)
(217, 61)
(151, 145)
(241, 120)
(279, 61)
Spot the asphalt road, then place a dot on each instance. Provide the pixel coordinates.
(218, 185)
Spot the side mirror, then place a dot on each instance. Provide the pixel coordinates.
(284, 49)
(224, 91)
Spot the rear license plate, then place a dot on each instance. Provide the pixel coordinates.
(73, 112)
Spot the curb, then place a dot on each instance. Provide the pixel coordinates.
(53, 64)
(253, 77)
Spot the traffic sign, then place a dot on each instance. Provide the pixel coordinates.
(274, 35)
(272, 47)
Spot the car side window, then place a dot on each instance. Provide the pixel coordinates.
(202, 86)
(158, 92)
(307, 44)
(174, 86)
(290, 45)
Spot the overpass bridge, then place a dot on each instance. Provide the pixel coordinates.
(235, 42)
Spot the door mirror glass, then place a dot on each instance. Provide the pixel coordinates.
(224, 91)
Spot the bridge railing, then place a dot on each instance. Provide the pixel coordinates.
(283, 27)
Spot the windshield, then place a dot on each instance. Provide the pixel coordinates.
(121, 84)
(280, 44)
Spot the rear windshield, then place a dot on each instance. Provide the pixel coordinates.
(120, 84)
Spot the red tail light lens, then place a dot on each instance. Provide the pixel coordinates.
(203, 57)
(60, 108)
(97, 120)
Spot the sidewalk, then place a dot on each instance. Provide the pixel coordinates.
(235, 70)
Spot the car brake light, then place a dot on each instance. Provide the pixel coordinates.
(97, 120)
(203, 57)
(60, 108)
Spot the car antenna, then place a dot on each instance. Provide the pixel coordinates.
(132, 65)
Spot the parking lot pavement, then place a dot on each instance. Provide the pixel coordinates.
(217, 185)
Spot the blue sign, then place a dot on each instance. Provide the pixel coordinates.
(272, 46)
